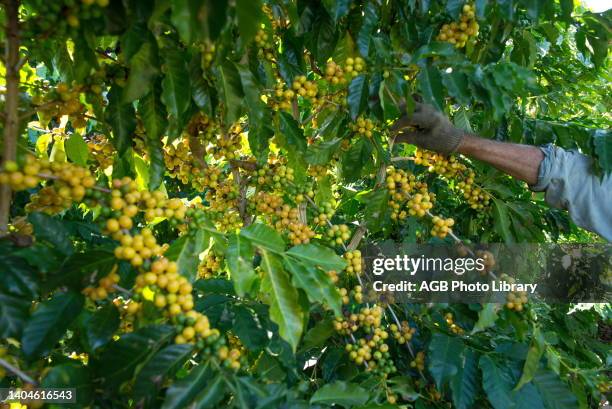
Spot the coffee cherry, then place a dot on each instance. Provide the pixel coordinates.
(354, 262)
(362, 127)
(419, 361)
(458, 33)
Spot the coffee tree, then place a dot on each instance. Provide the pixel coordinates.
(186, 186)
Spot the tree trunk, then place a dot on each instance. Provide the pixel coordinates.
(11, 125)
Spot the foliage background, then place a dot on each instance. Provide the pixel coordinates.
(537, 72)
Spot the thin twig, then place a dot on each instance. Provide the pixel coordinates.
(17, 372)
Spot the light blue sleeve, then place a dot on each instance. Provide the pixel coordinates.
(569, 181)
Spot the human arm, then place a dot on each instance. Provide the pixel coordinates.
(565, 176)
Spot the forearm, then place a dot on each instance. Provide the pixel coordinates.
(519, 161)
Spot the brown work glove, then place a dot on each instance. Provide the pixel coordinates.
(428, 129)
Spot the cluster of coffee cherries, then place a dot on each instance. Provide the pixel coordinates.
(403, 333)
(368, 318)
(221, 196)
(458, 33)
(178, 160)
(101, 150)
(69, 182)
(207, 49)
(134, 249)
(334, 73)
(282, 97)
(275, 175)
(333, 276)
(441, 226)
(61, 100)
(450, 321)
(326, 211)
(400, 184)
(373, 352)
(339, 233)
(362, 127)
(58, 17)
(228, 147)
(265, 44)
(210, 266)
(283, 217)
(104, 286)
(420, 203)
(419, 361)
(201, 126)
(451, 168)
(604, 386)
(305, 88)
(354, 66)
(354, 262)
(488, 260)
(317, 171)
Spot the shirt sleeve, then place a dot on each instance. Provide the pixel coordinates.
(568, 179)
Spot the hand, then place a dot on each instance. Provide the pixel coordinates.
(428, 129)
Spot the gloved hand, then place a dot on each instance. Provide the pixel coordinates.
(428, 129)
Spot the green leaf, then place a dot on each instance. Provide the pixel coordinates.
(318, 286)
(376, 208)
(71, 375)
(358, 95)
(19, 278)
(321, 153)
(497, 384)
(176, 90)
(230, 92)
(318, 335)
(101, 326)
(154, 119)
(62, 62)
(247, 328)
(317, 256)
(369, 24)
(340, 393)
(285, 309)
(186, 252)
(486, 317)
(430, 85)
(49, 322)
(143, 70)
(13, 315)
(554, 392)
(292, 137)
(249, 16)
(532, 361)
(263, 237)
(453, 8)
(501, 220)
(457, 85)
(355, 159)
(182, 392)
(120, 358)
(76, 149)
(602, 146)
(337, 8)
(445, 355)
(464, 385)
(462, 121)
(163, 365)
(211, 395)
(252, 93)
(567, 7)
(389, 102)
(239, 260)
(121, 118)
